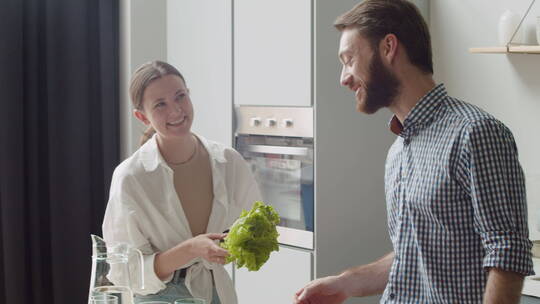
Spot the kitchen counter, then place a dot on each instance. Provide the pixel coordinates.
(531, 285)
(529, 300)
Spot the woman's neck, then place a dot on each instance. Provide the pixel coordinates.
(177, 150)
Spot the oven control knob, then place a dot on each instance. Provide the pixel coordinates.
(287, 123)
(271, 122)
(255, 121)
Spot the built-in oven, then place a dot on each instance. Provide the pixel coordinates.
(277, 143)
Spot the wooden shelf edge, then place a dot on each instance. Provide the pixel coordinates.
(529, 49)
(489, 50)
(518, 49)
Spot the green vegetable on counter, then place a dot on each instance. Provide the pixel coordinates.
(252, 237)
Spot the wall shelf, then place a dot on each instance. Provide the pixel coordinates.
(511, 49)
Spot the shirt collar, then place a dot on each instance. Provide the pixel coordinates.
(151, 157)
(421, 114)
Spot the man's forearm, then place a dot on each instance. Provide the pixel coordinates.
(503, 287)
(370, 279)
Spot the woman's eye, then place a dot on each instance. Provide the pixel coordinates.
(159, 104)
(180, 96)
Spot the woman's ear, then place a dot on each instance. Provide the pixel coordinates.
(141, 117)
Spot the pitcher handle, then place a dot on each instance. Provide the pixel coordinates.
(141, 260)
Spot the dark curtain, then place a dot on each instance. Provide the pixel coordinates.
(59, 143)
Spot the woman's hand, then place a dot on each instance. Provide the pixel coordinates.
(205, 246)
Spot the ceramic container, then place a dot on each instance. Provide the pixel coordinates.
(508, 22)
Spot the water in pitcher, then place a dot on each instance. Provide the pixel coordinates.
(124, 294)
(111, 272)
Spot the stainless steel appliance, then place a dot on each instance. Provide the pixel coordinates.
(277, 142)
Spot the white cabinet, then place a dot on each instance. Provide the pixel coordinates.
(276, 282)
(272, 52)
(199, 44)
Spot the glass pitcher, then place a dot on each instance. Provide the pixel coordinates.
(112, 270)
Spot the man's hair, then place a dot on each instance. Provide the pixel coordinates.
(374, 19)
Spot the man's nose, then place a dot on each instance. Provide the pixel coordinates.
(345, 78)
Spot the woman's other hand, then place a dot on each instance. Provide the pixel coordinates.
(206, 247)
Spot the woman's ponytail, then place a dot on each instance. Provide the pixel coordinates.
(148, 133)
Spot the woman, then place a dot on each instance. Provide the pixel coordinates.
(176, 194)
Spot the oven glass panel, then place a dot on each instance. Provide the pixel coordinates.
(283, 168)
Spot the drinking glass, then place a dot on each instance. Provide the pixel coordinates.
(190, 301)
(103, 299)
(155, 302)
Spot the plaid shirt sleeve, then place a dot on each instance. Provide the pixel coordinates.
(496, 184)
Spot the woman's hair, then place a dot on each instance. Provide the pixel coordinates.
(141, 79)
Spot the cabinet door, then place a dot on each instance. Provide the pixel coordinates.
(276, 282)
(199, 44)
(272, 52)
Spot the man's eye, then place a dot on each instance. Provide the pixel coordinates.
(159, 104)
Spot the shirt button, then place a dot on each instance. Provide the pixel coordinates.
(392, 296)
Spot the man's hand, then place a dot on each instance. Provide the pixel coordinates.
(361, 281)
(327, 290)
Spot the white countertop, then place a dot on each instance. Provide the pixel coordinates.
(531, 286)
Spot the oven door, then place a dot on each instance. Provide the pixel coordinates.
(284, 174)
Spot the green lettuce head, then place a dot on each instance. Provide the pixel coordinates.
(252, 237)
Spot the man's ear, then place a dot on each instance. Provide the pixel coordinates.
(141, 117)
(389, 47)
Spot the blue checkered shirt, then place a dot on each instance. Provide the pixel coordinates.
(456, 203)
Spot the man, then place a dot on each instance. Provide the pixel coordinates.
(455, 190)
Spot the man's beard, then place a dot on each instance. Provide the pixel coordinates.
(382, 86)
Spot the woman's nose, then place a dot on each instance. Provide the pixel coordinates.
(177, 107)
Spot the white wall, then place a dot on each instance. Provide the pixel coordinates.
(351, 147)
(199, 45)
(507, 86)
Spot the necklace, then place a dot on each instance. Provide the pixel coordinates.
(189, 159)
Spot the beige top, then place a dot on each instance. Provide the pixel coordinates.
(193, 185)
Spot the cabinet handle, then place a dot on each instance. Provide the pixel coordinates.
(278, 150)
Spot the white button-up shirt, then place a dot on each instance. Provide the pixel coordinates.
(144, 210)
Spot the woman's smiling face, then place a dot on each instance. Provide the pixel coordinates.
(166, 106)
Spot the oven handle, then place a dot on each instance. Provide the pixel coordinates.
(278, 150)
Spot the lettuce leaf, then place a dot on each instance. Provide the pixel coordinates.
(252, 237)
